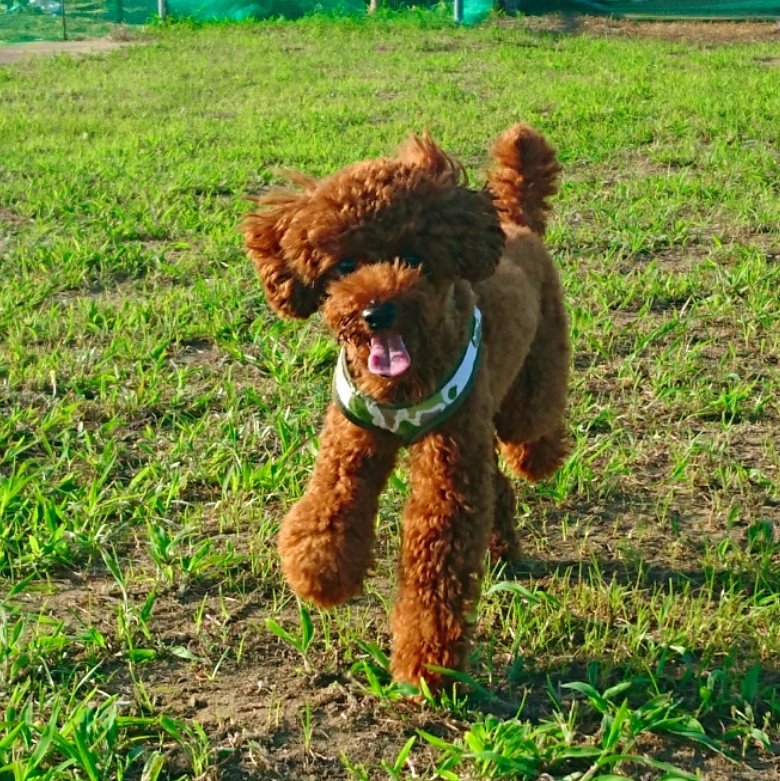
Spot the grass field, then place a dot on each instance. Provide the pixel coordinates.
(157, 420)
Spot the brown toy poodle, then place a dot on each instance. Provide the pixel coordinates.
(454, 344)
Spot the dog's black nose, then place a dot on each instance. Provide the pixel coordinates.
(380, 316)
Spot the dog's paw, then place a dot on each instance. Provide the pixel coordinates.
(324, 562)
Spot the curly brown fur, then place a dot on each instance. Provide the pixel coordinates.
(406, 235)
(525, 177)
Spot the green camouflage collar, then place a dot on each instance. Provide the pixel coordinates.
(410, 422)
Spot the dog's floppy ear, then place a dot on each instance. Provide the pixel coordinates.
(287, 293)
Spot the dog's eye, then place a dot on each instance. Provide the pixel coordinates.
(411, 259)
(346, 266)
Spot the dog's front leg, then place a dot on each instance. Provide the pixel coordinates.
(446, 531)
(326, 541)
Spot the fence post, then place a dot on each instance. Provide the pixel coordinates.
(162, 8)
(64, 22)
(458, 7)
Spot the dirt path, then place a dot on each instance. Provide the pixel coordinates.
(19, 51)
(710, 33)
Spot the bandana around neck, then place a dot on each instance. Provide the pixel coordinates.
(410, 422)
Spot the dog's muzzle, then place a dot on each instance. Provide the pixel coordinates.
(380, 317)
(410, 422)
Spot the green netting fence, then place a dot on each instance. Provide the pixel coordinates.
(35, 20)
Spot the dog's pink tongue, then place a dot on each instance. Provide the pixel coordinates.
(388, 357)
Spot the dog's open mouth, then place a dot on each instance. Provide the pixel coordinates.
(389, 356)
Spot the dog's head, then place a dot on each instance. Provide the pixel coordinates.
(379, 248)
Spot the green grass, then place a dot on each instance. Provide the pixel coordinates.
(157, 420)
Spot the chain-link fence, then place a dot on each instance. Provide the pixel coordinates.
(42, 20)
(36, 20)
(33, 20)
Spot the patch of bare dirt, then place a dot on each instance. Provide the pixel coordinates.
(9, 220)
(8, 217)
(695, 31)
(269, 715)
(16, 52)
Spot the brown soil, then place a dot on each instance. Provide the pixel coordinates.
(692, 31)
(21, 51)
(253, 695)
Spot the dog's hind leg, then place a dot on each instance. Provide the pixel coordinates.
(529, 424)
(326, 541)
(504, 546)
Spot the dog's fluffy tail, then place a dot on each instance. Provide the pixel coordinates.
(525, 177)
